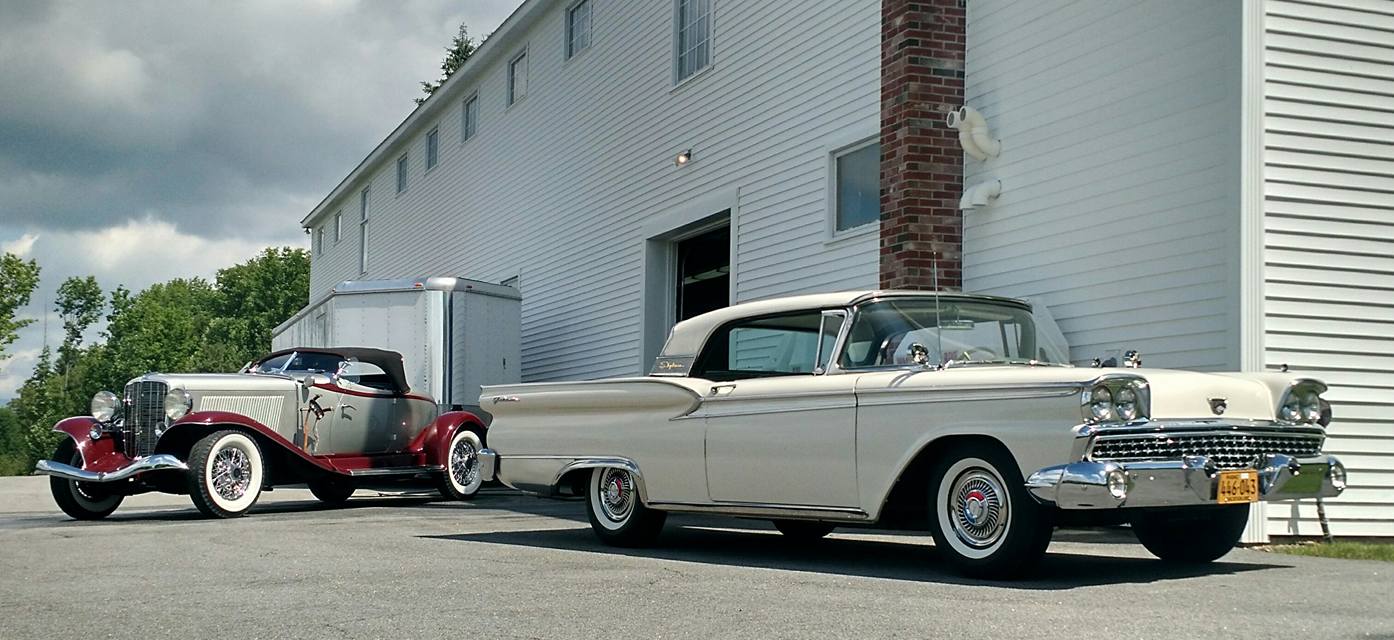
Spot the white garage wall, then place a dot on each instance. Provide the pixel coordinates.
(559, 188)
(1120, 136)
(1329, 238)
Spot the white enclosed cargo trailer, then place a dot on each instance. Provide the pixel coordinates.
(454, 335)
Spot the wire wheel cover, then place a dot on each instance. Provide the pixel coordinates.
(464, 462)
(617, 494)
(979, 508)
(232, 473)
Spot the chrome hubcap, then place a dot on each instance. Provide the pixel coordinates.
(232, 473)
(616, 494)
(980, 508)
(464, 463)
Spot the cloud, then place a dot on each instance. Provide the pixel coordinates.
(21, 246)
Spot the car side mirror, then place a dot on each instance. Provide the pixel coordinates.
(316, 379)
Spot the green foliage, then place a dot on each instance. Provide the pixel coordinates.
(1341, 549)
(13, 462)
(180, 326)
(462, 46)
(18, 279)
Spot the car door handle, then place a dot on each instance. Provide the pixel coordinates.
(723, 389)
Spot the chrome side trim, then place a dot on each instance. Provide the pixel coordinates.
(794, 511)
(157, 462)
(395, 471)
(888, 397)
(599, 463)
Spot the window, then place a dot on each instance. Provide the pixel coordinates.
(857, 187)
(762, 347)
(518, 78)
(338, 226)
(469, 117)
(432, 148)
(319, 241)
(889, 333)
(363, 232)
(694, 21)
(402, 173)
(578, 28)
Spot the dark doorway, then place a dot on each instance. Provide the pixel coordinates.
(704, 273)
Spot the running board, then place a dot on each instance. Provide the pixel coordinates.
(395, 471)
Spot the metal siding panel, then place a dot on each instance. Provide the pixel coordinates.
(1329, 293)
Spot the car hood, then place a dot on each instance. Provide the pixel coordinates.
(196, 383)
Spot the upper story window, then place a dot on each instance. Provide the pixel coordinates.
(857, 186)
(518, 78)
(338, 226)
(762, 347)
(694, 21)
(469, 117)
(432, 148)
(319, 241)
(578, 28)
(363, 232)
(402, 173)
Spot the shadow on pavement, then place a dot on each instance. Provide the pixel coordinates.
(907, 560)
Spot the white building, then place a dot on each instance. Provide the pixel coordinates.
(1209, 182)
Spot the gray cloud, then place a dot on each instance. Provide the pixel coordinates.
(145, 140)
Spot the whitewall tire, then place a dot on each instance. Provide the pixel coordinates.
(617, 514)
(226, 474)
(81, 500)
(462, 478)
(983, 521)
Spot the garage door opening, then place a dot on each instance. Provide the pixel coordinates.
(703, 273)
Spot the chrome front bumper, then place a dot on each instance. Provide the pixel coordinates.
(1190, 481)
(157, 462)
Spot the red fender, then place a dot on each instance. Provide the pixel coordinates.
(97, 455)
(220, 418)
(434, 441)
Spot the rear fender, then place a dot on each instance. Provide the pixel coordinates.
(434, 441)
(98, 455)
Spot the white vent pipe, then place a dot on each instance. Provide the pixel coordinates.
(973, 134)
(979, 195)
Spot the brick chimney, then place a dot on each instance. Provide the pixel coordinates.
(922, 45)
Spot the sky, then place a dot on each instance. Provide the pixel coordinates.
(147, 140)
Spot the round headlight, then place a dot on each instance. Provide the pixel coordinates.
(1310, 406)
(178, 402)
(1291, 410)
(104, 405)
(1125, 403)
(1101, 403)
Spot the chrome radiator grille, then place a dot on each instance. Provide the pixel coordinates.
(145, 412)
(1228, 450)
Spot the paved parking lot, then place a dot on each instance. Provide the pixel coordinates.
(509, 566)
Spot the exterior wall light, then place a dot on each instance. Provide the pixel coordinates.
(683, 158)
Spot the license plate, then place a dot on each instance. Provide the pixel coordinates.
(1237, 486)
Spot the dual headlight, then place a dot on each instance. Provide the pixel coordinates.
(1303, 404)
(177, 404)
(1117, 400)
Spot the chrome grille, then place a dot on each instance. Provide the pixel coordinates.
(1228, 450)
(145, 412)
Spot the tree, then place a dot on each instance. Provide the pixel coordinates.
(18, 279)
(80, 305)
(462, 46)
(252, 298)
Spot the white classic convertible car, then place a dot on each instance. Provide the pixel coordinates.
(906, 409)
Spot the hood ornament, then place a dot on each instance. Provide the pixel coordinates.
(1218, 406)
(1132, 359)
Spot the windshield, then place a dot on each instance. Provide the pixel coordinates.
(291, 363)
(889, 332)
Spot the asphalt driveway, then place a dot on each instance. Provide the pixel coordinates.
(510, 566)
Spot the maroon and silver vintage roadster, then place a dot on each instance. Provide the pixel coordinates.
(335, 419)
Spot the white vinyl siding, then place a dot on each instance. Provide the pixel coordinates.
(564, 191)
(1329, 239)
(1119, 124)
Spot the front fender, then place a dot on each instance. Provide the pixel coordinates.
(98, 455)
(434, 440)
(185, 431)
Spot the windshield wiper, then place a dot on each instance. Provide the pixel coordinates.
(1030, 363)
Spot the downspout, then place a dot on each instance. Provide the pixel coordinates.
(973, 134)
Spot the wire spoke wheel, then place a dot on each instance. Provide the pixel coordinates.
(232, 473)
(617, 494)
(464, 462)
